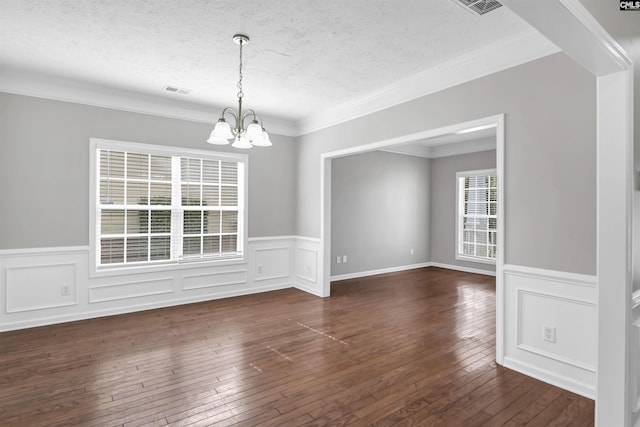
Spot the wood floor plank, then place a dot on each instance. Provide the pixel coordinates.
(406, 348)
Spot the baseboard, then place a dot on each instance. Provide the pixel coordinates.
(464, 269)
(410, 267)
(308, 289)
(72, 317)
(561, 381)
(379, 271)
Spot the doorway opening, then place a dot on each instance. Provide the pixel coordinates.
(444, 136)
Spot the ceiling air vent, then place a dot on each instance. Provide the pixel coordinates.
(175, 89)
(479, 7)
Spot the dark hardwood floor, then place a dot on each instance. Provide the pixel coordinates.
(410, 348)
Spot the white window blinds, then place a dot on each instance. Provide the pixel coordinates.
(477, 215)
(155, 208)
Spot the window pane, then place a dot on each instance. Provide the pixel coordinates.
(468, 249)
(137, 193)
(229, 195)
(192, 222)
(111, 192)
(229, 173)
(493, 209)
(161, 221)
(211, 171)
(492, 251)
(160, 194)
(210, 195)
(160, 248)
(137, 249)
(137, 165)
(481, 251)
(211, 245)
(468, 236)
(229, 244)
(161, 168)
(190, 195)
(111, 164)
(112, 222)
(229, 222)
(137, 221)
(191, 245)
(212, 224)
(111, 251)
(493, 237)
(190, 169)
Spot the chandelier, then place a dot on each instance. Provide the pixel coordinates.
(243, 136)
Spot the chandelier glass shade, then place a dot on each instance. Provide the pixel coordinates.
(247, 130)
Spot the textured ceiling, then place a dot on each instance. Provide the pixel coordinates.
(304, 56)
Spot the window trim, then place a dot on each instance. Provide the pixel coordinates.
(97, 143)
(458, 255)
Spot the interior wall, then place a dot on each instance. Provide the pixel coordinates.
(44, 168)
(550, 156)
(444, 205)
(380, 212)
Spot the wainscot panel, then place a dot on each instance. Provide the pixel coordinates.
(53, 285)
(551, 326)
(306, 265)
(37, 287)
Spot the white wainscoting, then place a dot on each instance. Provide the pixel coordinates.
(306, 266)
(53, 285)
(537, 298)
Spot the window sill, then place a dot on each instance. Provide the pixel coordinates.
(475, 259)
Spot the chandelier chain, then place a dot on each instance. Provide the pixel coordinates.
(240, 92)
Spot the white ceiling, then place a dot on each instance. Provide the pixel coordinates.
(305, 56)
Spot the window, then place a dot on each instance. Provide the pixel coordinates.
(477, 215)
(160, 205)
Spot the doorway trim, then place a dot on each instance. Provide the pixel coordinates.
(325, 204)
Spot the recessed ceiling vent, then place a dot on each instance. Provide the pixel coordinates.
(175, 89)
(479, 7)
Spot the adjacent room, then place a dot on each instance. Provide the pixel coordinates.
(319, 213)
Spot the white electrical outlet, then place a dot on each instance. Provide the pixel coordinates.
(411, 251)
(549, 333)
(344, 259)
(65, 290)
(259, 269)
(338, 259)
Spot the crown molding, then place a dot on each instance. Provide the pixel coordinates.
(505, 54)
(522, 48)
(30, 83)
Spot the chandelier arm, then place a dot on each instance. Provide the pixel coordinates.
(229, 110)
(250, 113)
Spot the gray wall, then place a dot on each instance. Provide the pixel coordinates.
(443, 204)
(379, 211)
(44, 169)
(550, 156)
